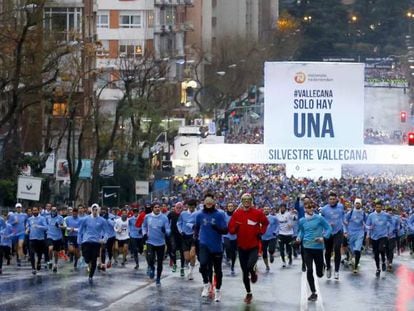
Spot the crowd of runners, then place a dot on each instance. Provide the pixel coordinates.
(234, 211)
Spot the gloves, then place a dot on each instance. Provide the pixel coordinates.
(57, 225)
(163, 229)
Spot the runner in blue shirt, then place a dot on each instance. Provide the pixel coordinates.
(20, 228)
(72, 224)
(36, 228)
(54, 236)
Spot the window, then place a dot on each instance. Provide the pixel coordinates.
(63, 22)
(59, 109)
(150, 19)
(102, 20)
(131, 20)
(130, 49)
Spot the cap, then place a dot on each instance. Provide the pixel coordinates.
(178, 205)
(94, 205)
(358, 201)
(18, 205)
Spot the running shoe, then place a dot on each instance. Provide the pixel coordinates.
(158, 282)
(384, 266)
(152, 273)
(303, 267)
(190, 276)
(182, 272)
(290, 261)
(54, 268)
(217, 295)
(328, 273)
(336, 275)
(248, 299)
(34, 272)
(253, 276)
(313, 297)
(272, 258)
(174, 268)
(136, 267)
(19, 263)
(206, 290)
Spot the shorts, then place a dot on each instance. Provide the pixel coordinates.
(56, 244)
(187, 243)
(121, 243)
(73, 241)
(21, 236)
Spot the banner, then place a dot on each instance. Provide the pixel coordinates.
(28, 188)
(62, 170)
(141, 187)
(110, 196)
(310, 105)
(107, 168)
(49, 165)
(86, 169)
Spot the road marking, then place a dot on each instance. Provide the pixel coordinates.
(319, 302)
(303, 293)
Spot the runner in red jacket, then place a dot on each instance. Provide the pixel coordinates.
(249, 224)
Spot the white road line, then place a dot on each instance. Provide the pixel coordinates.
(319, 302)
(303, 293)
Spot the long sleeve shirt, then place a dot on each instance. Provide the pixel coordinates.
(285, 223)
(378, 225)
(334, 215)
(272, 228)
(6, 234)
(249, 225)
(134, 232)
(54, 232)
(91, 229)
(354, 222)
(186, 222)
(311, 228)
(157, 228)
(20, 225)
(37, 227)
(72, 225)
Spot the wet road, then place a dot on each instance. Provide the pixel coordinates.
(280, 289)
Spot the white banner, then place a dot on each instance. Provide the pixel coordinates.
(49, 165)
(107, 168)
(28, 188)
(62, 170)
(186, 154)
(310, 105)
(314, 170)
(141, 187)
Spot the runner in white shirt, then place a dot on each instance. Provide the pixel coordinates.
(285, 233)
(122, 235)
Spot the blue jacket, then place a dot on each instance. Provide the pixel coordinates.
(354, 223)
(157, 228)
(207, 236)
(272, 228)
(394, 228)
(91, 229)
(186, 222)
(37, 227)
(410, 224)
(54, 232)
(334, 216)
(311, 228)
(378, 225)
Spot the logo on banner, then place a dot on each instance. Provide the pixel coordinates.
(29, 186)
(300, 77)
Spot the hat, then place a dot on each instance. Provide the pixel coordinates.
(18, 205)
(178, 205)
(95, 205)
(358, 201)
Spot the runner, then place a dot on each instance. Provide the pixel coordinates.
(269, 239)
(122, 235)
(313, 231)
(230, 240)
(249, 224)
(91, 231)
(354, 231)
(210, 225)
(19, 227)
(333, 212)
(6, 235)
(185, 226)
(54, 236)
(285, 236)
(109, 239)
(155, 229)
(378, 224)
(36, 228)
(72, 224)
(135, 235)
(175, 238)
(392, 237)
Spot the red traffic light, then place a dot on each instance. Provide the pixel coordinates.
(403, 116)
(411, 139)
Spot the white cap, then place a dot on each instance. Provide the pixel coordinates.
(358, 201)
(95, 205)
(18, 205)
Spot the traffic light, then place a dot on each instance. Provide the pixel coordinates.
(411, 139)
(403, 116)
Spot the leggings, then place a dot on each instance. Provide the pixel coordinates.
(37, 247)
(231, 248)
(248, 259)
(268, 245)
(313, 256)
(107, 247)
(334, 243)
(152, 252)
(90, 252)
(379, 247)
(4, 252)
(284, 242)
(208, 262)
